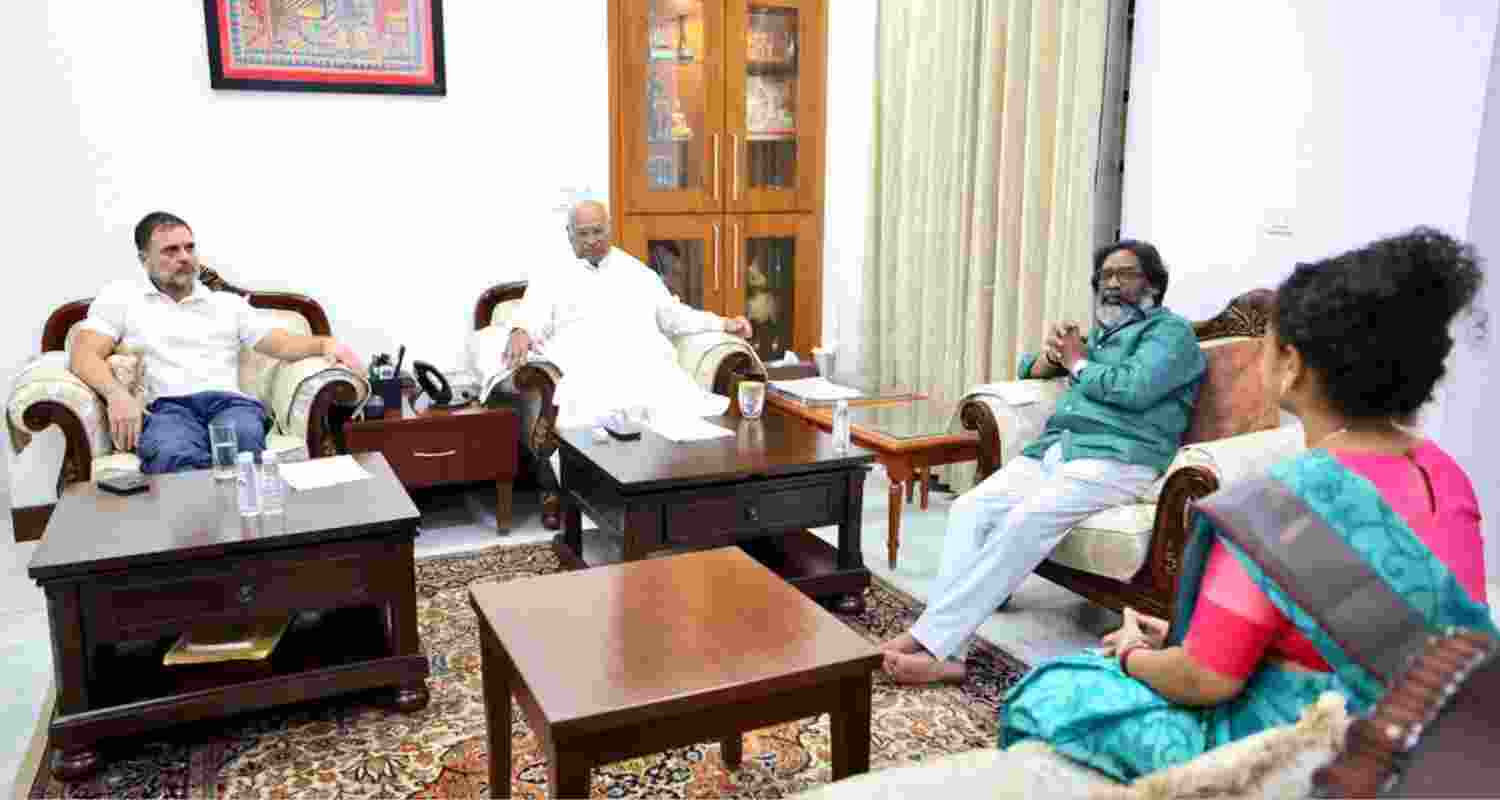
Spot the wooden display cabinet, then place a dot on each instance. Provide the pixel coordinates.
(717, 148)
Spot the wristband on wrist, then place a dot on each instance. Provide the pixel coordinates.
(1125, 655)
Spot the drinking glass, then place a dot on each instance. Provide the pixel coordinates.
(225, 444)
(752, 396)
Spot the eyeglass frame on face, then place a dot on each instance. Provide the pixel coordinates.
(1122, 274)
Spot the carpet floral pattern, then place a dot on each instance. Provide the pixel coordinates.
(353, 747)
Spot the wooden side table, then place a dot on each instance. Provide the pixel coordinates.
(433, 447)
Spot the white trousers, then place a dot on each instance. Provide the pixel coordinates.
(999, 531)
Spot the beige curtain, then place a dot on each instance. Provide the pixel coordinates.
(981, 224)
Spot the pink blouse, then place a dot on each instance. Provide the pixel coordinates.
(1235, 625)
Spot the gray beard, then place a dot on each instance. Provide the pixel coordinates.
(1113, 315)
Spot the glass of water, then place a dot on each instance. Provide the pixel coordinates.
(225, 445)
(752, 398)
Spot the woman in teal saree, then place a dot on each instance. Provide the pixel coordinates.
(1245, 653)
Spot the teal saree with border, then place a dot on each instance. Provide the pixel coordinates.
(1089, 710)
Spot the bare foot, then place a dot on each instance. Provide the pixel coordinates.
(905, 643)
(922, 669)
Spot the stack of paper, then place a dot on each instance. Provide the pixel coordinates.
(321, 472)
(688, 429)
(819, 388)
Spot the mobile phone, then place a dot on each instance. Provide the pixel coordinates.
(129, 483)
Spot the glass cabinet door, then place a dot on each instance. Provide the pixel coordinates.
(673, 106)
(686, 252)
(774, 74)
(775, 282)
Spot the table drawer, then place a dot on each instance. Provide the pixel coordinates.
(320, 577)
(427, 457)
(761, 508)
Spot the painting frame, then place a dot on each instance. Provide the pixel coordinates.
(224, 73)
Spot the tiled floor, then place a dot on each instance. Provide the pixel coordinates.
(1042, 620)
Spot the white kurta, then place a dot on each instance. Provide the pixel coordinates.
(606, 329)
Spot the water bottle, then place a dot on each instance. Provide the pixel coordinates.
(272, 490)
(841, 425)
(249, 484)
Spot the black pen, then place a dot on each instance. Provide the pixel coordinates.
(400, 357)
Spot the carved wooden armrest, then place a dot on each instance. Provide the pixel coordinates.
(302, 394)
(1008, 416)
(530, 391)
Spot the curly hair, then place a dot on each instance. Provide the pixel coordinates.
(1146, 253)
(1373, 322)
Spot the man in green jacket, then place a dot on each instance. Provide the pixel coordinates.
(1134, 382)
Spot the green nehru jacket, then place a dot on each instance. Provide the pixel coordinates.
(1134, 399)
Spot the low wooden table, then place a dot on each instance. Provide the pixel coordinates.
(630, 659)
(904, 438)
(762, 488)
(124, 576)
(433, 446)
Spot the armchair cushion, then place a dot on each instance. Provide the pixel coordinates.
(297, 384)
(1114, 542)
(1233, 399)
(47, 377)
(700, 354)
(257, 371)
(1020, 408)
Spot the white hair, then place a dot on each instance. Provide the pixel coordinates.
(573, 212)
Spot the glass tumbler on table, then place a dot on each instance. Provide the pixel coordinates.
(752, 397)
(225, 445)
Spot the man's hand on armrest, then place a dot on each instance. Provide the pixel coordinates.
(738, 326)
(88, 362)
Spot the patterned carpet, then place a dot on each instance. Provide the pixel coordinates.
(350, 747)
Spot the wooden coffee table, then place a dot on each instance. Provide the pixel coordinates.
(905, 439)
(433, 446)
(630, 659)
(124, 576)
(761, 488)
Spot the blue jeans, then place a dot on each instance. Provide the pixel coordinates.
(174, 435)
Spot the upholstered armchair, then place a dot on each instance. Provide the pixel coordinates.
(713, 359)
(300, 395)
(1130, 555)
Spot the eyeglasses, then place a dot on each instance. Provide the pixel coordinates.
(1121, 274)
(590, 232)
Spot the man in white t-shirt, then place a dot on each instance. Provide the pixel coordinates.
(603, 319)
(190, 339)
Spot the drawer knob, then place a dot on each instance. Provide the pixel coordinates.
(752, 513)
(247, 593)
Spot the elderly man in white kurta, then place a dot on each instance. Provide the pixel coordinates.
(604, 320)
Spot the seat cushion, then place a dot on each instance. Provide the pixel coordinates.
(1113, 543)
(1233, 398)
(286, 448)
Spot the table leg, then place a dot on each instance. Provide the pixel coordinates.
(911, 483)
(503, 504)
(572, 525)
(732, 749)
(893, 523)
(495, 676)
(926, 482)
(567, 773)
(850, 727)
(401, 628)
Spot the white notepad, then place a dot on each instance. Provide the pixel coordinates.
(688, 429)
(320, 472)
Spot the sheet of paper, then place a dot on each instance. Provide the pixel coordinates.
(816, 389)
(688, 429)
(320, 472)
(1014, 393)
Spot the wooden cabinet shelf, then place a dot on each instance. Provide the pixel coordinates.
(731, 216)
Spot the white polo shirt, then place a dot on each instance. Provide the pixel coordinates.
(189, 347)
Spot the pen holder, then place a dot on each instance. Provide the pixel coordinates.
(389, 390)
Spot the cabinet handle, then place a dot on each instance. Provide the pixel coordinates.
(247, 593)
(752, 513)
(735, 146)
(444, 454)
(716, 256)
(736, 265)
(716, 166)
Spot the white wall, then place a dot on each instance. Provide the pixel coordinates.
(851, 113)
(1472, 369)
(1342, 119)
(1289, 130)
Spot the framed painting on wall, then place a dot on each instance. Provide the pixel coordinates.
(383, 46)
